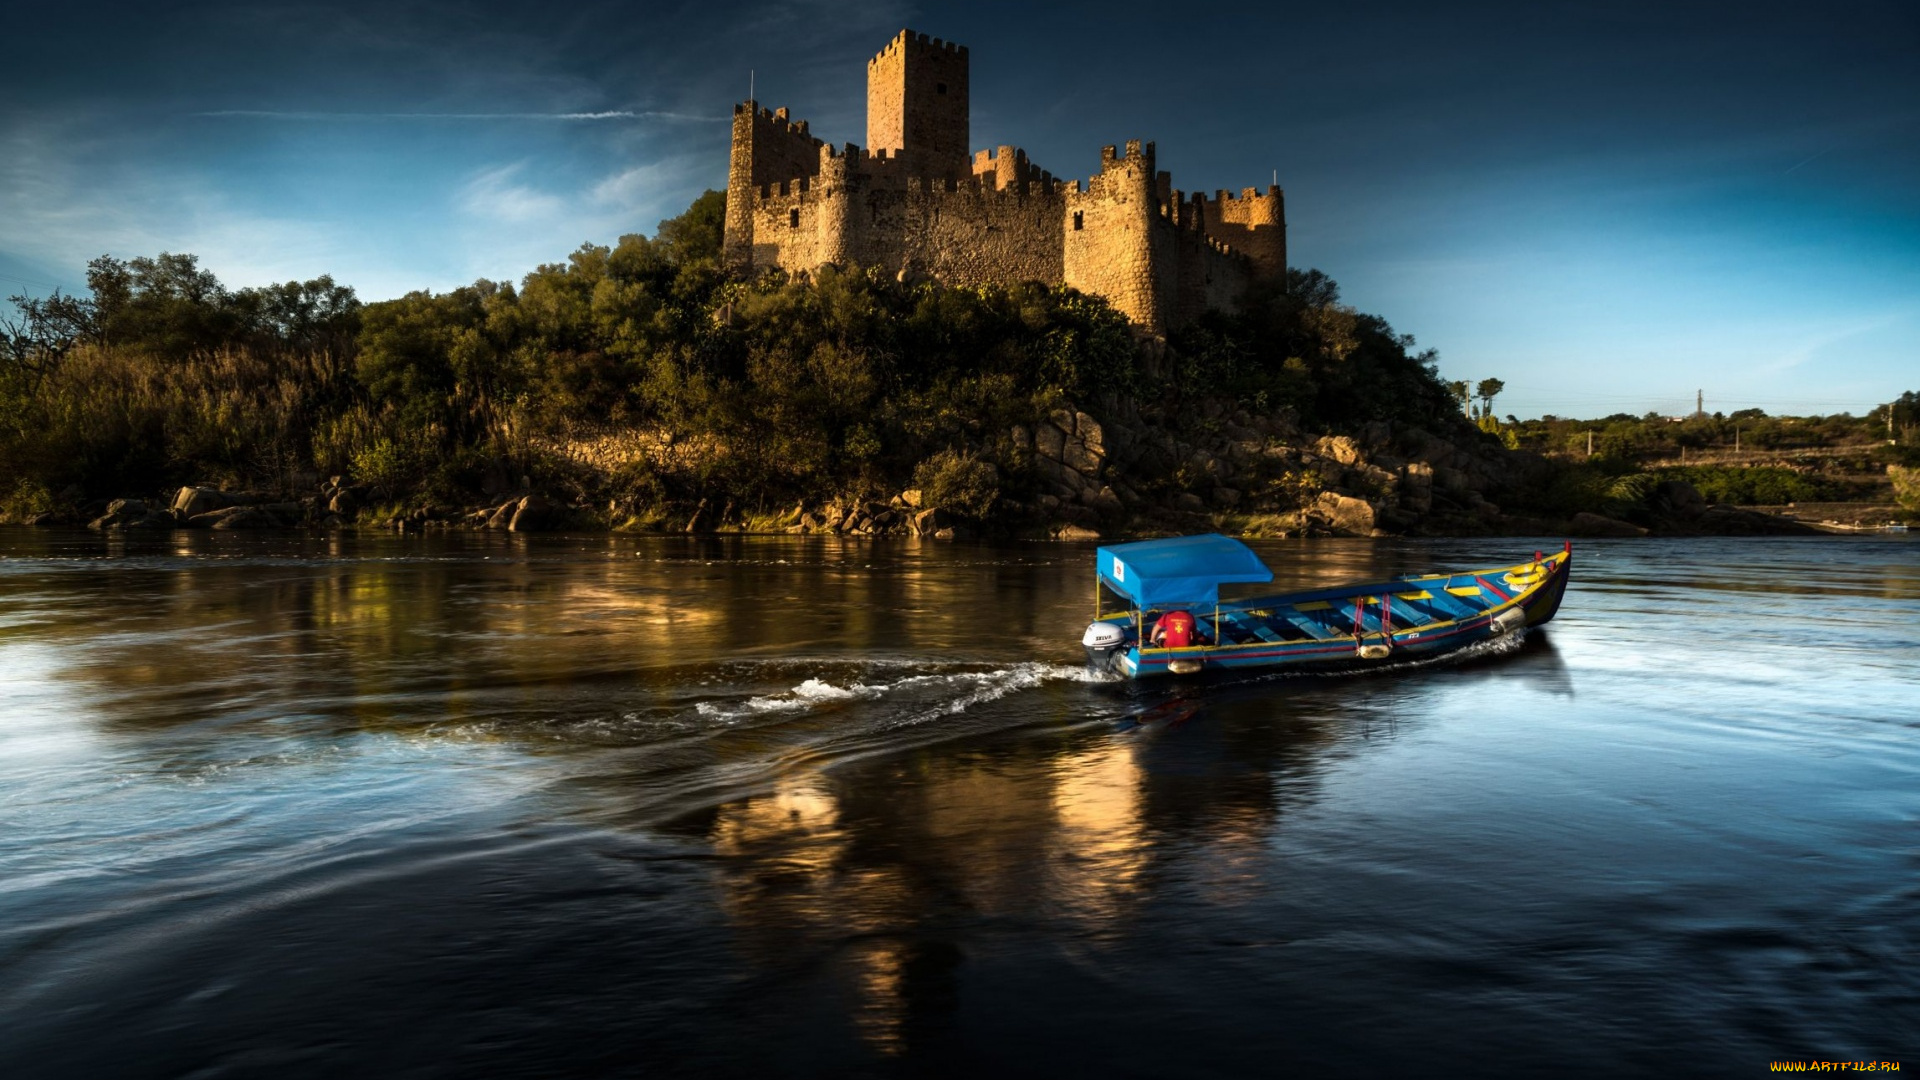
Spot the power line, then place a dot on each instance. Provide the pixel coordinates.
(30, 281)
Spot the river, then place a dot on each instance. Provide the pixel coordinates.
(492, 805)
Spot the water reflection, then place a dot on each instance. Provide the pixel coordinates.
(860, 800)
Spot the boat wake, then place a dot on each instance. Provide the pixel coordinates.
(927, 695)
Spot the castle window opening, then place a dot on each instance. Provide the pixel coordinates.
(793, 219)
(1079, 220)
(939, 88)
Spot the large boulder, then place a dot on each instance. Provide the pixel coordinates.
(1340, 448)
(1049, 441)
(1346, 514)
(1595, 525)
(1416, 487)
(536, 512)
(1088, 431)
(191, 502)
(1678, 498)
(133, 514)
(1080, 459)
(237, 517)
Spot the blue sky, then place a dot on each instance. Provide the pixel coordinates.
(1608, 208)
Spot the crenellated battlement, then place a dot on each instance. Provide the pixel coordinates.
(1137, 156)
(918, 199)
(907, 40)
(804, 189)
(1008, 165)
(1250, 206)
(773, 121)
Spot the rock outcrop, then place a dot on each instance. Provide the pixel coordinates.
(1597, 526)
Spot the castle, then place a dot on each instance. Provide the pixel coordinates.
(916, 201)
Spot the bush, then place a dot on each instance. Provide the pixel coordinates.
(1766, 485)
(959, 483)
(28, 498)
(1906, 485)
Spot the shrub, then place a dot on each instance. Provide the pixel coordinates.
(1767, 485)
(1906, 485)
(959, 483)
(28, 497)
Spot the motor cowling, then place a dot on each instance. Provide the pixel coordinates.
(1507, 622)
(1103, 641)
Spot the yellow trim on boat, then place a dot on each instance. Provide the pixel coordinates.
(1538, 577)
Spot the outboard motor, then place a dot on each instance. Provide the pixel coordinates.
(1103, 641)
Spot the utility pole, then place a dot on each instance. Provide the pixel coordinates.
(1589, 442)
(1736, 438)
(1699, 403)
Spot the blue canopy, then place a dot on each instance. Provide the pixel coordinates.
(1183, 570)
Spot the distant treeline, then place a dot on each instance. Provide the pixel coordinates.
(1627, 437)
(844, 381)
(1744, 458)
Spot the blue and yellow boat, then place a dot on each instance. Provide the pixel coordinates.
(1174, 621)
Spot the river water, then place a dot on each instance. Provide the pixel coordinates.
(499, 806)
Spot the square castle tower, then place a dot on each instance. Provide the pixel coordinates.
(915, 201)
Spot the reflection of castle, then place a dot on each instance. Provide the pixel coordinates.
(915, 201)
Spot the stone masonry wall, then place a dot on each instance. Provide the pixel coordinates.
(917, 104)
(914, 202)
(768, 148)
(1253, 224)
(973, 234)
(1110, 237)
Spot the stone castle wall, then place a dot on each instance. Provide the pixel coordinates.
(914, 202)
(918, 103)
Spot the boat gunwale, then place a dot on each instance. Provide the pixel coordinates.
(1550, 563)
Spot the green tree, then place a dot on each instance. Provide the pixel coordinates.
(697, 235)
(1486, 391)
(1462, 396)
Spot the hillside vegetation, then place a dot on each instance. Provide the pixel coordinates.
(643, 385)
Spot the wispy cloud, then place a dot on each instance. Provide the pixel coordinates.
(565, 117)
(1813, 345)
(497, 194)
(524, 213)
(653, 186)
(63, 207)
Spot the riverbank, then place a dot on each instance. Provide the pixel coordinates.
(1065, 473)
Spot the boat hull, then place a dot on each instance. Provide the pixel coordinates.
(1533, 597)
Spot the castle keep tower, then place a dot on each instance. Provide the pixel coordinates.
(917, 104)
(917, 202)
